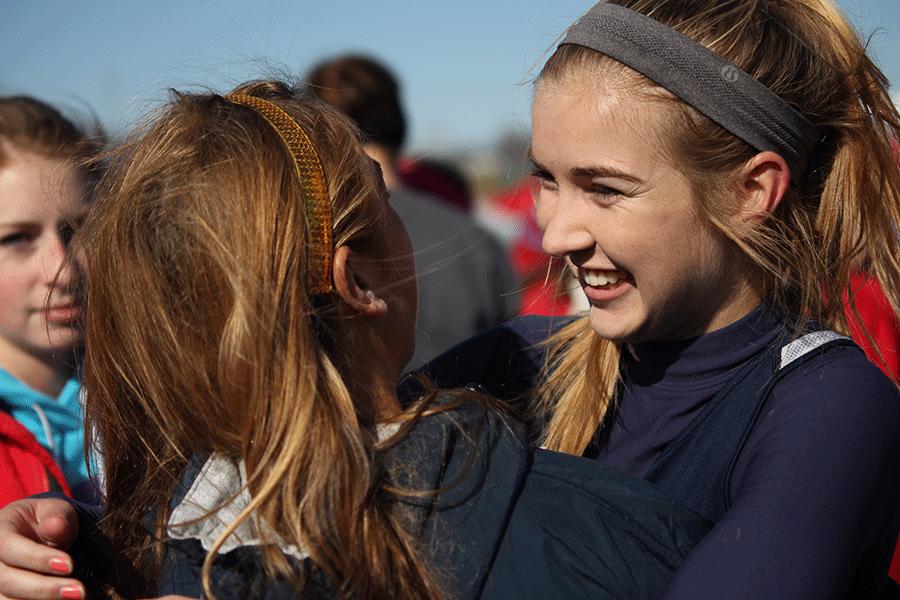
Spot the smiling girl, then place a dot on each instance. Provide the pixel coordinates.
(708, 169)
(713, 172)
(42, 193)
(241, 369)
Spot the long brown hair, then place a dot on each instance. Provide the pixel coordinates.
(203, 338)
(845, 213)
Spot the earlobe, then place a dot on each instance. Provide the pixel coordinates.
(353, 284)
(765, 180)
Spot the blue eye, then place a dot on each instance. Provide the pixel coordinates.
(14, 239)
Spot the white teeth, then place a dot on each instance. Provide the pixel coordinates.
(600, 278)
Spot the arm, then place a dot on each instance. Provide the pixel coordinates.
(504, 360)
(814, 493)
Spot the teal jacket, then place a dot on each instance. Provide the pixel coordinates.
(56, 423)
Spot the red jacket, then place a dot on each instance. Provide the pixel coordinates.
(878, 318)
(26, 467)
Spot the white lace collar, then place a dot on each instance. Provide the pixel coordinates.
(220, 486)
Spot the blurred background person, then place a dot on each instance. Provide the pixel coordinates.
(43, 191)
(466, 284)
(438, 178)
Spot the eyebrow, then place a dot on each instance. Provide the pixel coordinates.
(592, 172)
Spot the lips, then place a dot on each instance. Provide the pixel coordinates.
(63, 314)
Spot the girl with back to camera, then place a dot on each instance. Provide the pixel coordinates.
(42, 194)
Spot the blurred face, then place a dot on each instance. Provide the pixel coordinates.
(39, 198)
(624, 218)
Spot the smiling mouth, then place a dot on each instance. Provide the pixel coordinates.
(601, 278)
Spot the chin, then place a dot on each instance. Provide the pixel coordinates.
(61, 343)
(611, 328)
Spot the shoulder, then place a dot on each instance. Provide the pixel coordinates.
(834, 412)
(816, 481)
(472, 445)
(11, 431)
(457, 474)
(482, 423)
(435, 227)
(838, 383)
(27, 467)
(415, 207)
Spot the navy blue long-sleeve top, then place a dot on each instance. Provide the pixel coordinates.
(815, 489)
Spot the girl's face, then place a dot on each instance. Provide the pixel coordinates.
(39, 199)
(624, 218)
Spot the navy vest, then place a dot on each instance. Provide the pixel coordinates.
(695, 468)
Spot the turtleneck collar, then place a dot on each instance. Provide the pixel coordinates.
(705, 361)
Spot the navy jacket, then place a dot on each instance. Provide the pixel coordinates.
(508, 522)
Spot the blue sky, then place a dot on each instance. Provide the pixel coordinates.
(462, 62)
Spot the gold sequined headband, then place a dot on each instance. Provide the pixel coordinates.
(312, 188)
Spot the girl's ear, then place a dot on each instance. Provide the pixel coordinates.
(353, 283)
(764, 181)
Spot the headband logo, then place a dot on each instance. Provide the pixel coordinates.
(730, 73)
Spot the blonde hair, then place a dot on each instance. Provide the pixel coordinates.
(203, 338)
(845, 213)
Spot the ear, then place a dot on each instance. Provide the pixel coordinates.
(764, 180)
(354, 285)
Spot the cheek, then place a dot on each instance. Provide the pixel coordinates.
(11, 294)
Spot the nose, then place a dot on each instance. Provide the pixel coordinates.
(561, 217)
(58, 269)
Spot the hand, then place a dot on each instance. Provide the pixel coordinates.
(34, 533)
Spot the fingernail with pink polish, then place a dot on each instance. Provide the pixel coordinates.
(60, 565)
(72, 592)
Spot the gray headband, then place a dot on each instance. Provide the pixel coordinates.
(700, 77)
